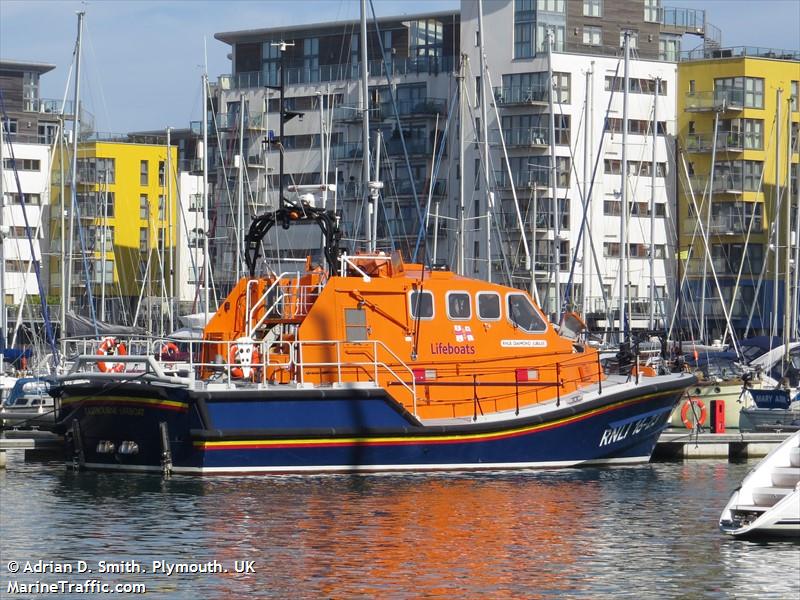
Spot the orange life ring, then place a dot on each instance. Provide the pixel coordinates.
(110, 346)
(239, 371)
(685, 412)
(170, 350)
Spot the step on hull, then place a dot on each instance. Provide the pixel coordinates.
(363, 430)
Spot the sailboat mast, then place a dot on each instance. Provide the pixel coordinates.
(776, 274)
(365, 122)
(556, 268)
(206, 305)
(75, 128)
(623, 225)
(173, 245)
(796, 287)
(587, 186)
(787, 279)
(652, 322)
(461, 134)
(240, 197)
(485, 143)
(3, 319)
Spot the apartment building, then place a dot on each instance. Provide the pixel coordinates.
(588, 74)
(30, 126)
(322, 89)
(124, 231)
(738, 121)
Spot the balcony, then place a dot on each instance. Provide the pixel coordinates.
(526, 137)
(45, 106)
(392, 147)
(718, 100)
(727, 141)
(232, 120)
(521, 95)
(723, 184)
(298, 74)
(692, 21)
(402, 187)
(424, 107)
(538, 178)
(725, 225)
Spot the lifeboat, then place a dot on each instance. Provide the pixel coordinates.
(372, 365)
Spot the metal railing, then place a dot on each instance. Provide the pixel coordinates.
(285, 298)
(45, 105)
(297, 74)
(722, 99)
(526, 137)
(511, 95)
(740, 52)
(408, 108)
(727, 141)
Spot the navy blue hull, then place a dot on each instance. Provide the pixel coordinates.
(278, 431)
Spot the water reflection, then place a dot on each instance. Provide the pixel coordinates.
(645, 531)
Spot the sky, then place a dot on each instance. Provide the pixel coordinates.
(142, 60)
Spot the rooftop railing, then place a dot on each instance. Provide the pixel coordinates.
(740, 51)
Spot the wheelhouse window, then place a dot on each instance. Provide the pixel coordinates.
(522, 313)
(488, 306)
(459, 307)
(421, 305)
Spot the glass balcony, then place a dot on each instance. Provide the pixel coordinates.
(724, 99)
(392, 147)
(526, 137)
(520, 95)
(727, 141)
(44, 105)
(298, 74)
(410, 108)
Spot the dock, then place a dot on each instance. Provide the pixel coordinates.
(733, 444)
(673, 444)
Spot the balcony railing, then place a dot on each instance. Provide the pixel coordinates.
(523, 179)
(724, 99)
(231, 120)
(726, 225)
(727, 141)
(741, 51)
(410, 108)
(423, 65)
(723, 184)
(520, 95)
(402, 187)
(526, 137)
(392, 147)
(44, 105)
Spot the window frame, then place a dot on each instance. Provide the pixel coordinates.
(542, 320)
(411, 305)
(447, 297)
(499, 316)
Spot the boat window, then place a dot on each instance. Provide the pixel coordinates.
(523, 314)
(459, 307)
(421, 305)
(488, 306)
(355, 324)
(21, 402)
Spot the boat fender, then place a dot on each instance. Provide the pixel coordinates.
(688, 406)
(110, 346)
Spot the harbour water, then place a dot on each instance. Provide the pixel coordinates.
(645, 531)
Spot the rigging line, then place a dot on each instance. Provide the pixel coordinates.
(387, 71)
(422, 231)
(34, 260)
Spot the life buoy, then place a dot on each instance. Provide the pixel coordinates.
(110, 346)
(244, 359)
(685, 412)
(169, 351)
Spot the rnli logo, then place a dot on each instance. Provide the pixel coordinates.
(463, 334)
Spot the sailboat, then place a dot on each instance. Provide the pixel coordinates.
(367, 363)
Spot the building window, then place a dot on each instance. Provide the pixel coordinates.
(426, 39)
(753, 92)
(669, 49)
(143, 168)
(524, 24)
(30, 90)
(553, 6)
(794, 101)
(753, 134)
(561, 84)
(559, 31)
(271, 63)
(476, 252)
(652, 11)
(9, 126)
(47, 133)
(143, 245)
(161, 174)
(161, 204)
(311, 59)
(22, 164)
(592, 8)
(752, 175)
(14, 198)
(144, 207)
(592, 36)
(562, 129)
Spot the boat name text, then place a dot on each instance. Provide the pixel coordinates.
(612, 435)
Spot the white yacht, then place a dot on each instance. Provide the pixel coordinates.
(767, 503)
